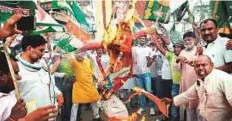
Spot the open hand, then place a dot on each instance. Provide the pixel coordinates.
(9, 27)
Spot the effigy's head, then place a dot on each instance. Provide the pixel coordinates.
(124, 26)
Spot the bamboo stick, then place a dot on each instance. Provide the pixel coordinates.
(12, 72)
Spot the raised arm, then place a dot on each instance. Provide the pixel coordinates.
(9, 27)
(56, 65)
(164, 39)
(160, 47)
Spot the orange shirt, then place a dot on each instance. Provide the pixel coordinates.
(84, 90)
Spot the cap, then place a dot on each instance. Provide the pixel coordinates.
(179, 43)
(139, 34)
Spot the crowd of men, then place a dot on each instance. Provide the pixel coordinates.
(193, 77)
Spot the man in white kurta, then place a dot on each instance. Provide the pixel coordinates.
(216, 46)
(36, 87)
(215, 96)
(213, 89)
(7, 102)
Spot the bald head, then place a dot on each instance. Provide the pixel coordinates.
(203, 57)
(203, 66)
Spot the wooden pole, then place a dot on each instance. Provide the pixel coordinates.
(12, 72)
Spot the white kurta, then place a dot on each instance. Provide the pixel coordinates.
(34, 85)
(218, 53)
(139, 54)
(7, 102)
(214, 94)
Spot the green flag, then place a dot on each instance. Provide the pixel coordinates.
(220, 12)
(71, 7)
(7, 8)
(180, 12)
(157, 11)
(78, 13)
(45, 23)
(69, 43)
(5, 13)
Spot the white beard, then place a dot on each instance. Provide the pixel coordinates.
(189, 47)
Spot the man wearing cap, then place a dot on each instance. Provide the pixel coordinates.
(142, 56)
(175, 70)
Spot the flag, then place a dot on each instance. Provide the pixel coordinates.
(61, 5)
(161, 105)
(72, 8)
(191, 18)
(139, 7)
(220, 12)
(78, 13)
(157, 11)
(45, 23)
(69, 43)
(7, 8)
(5, 13)
(180, 12)
(29, 4)
(79, 33)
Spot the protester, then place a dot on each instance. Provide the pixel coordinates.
(213, 89)
(64, 79)
(188, 75)
(153, 67)
(142, 60)
(216, 46)
(84, 90)
(175, 70)
(163, 84)
(157, 72)
(49, 81)
(11, 108)
(36, 85)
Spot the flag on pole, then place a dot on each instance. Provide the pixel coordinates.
(69, 43)
(180, 12)
(157, 11)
